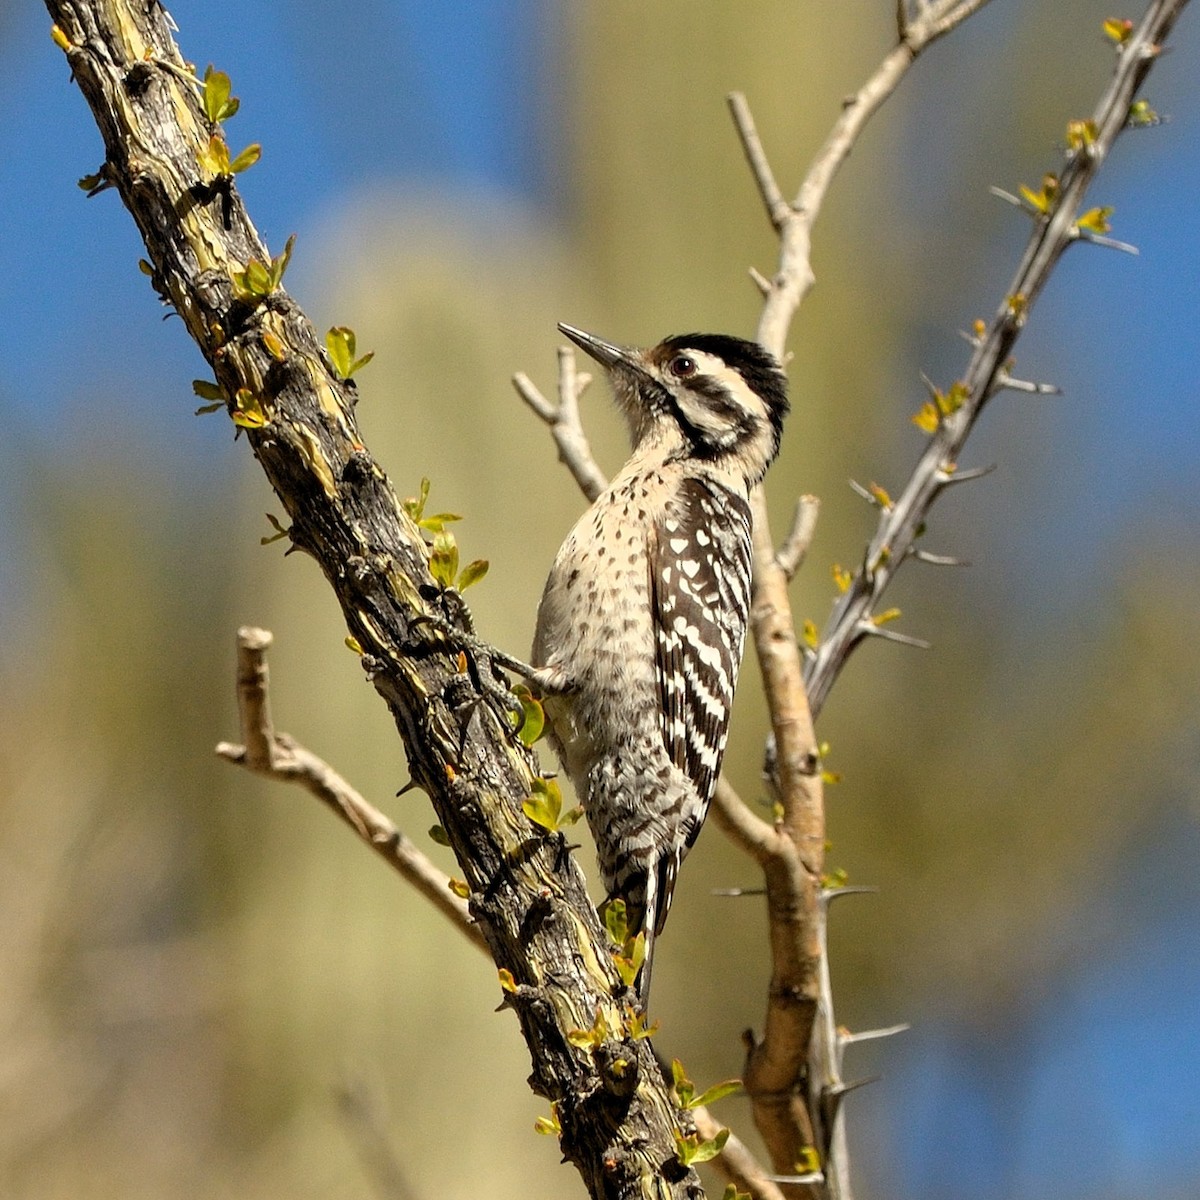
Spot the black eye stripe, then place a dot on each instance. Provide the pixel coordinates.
(717, 398)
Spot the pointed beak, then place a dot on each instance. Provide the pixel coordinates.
(606, 353)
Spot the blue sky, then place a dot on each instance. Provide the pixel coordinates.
(454, 92)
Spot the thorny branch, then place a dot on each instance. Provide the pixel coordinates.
(792, 1072)
(900, 523)
(801, 1050)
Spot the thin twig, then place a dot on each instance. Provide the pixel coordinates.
(794, 547)
(280, 757)
(777, 207)
(735, 1162)
(574, 450)
(743, 827)
(779, 1064)
(795, 276)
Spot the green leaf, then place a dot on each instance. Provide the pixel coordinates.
(258, 278)
(533, 715)
(691, 1150)
(926, 418)
(342, 345)
(219, 104)
(443, 559)
(248, 410)
(280, 265)
(638, 1028)
(809, 1162)
(339, 341)
(1141, 116)
(246, 159)
(415, 505)
(550, 1124)
(710, 1149)
(616, 922)
(208, 391)
(434, 523)
(473, 572)
(681, 1085)
(590, 1038)
(280, 531)
(214, 158)
(1095, 220)
(629, 962)
(543, 806)
(438, 834)
(1117, 30)
(718, 1091)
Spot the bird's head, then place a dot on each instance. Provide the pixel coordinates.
(707, 396)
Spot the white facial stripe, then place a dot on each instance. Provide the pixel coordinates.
(721, 419)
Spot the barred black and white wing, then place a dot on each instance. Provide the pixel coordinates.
(700, 566)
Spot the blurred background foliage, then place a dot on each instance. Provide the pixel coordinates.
(209, 989)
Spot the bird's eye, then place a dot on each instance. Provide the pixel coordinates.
(681, 366)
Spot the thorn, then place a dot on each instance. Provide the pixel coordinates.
(937, 560)
(1007, 197)
(811, 1177)
(838, 1090)
(870, 629)
(829, 895)
(1025, 385)
(408, 787)
(739, 891)
(930, 387)
(760, 281)
(1098, 239)
(833, 1095)
(868, 1035)
(946, 478)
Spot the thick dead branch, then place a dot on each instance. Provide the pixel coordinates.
(525, 893)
